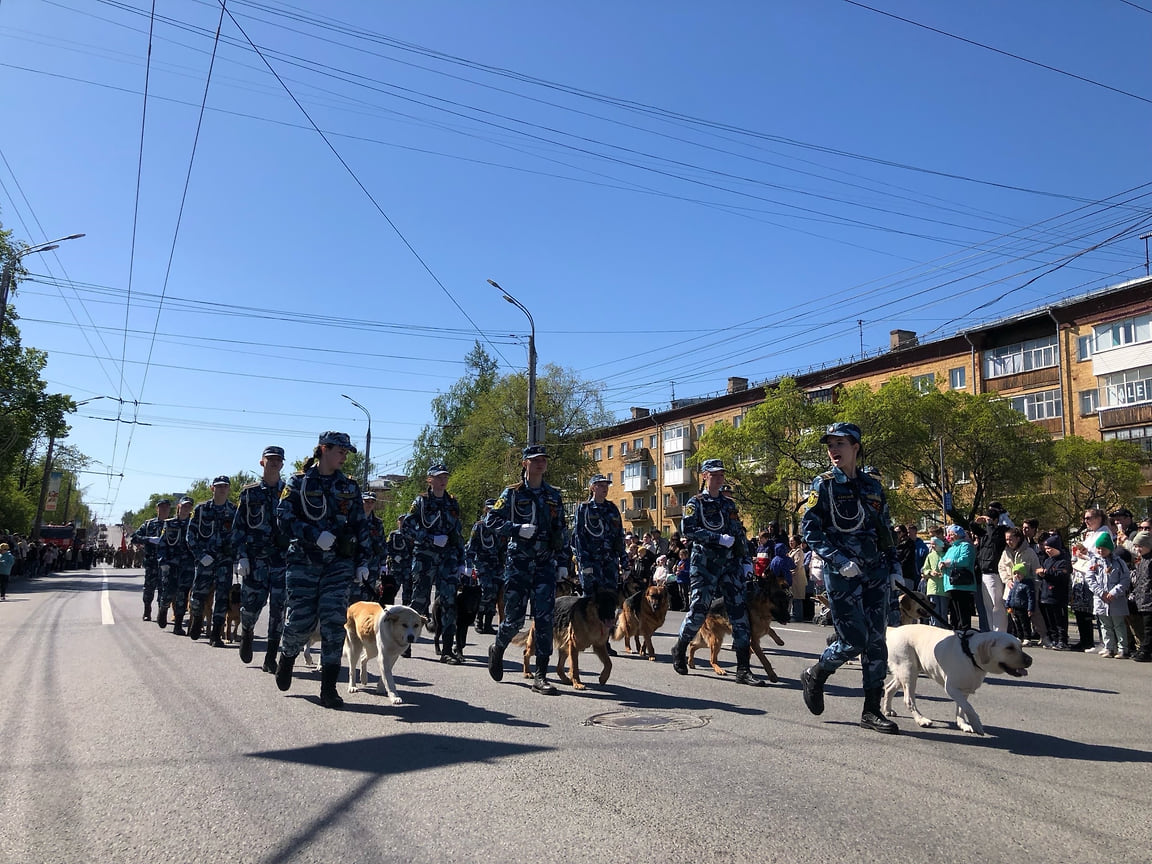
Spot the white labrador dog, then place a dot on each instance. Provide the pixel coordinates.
(940, 653)
(373, 630)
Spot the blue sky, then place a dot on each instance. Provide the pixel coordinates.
(679, 192)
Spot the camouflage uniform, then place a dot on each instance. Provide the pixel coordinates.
(210, 535)
(318, 582)
(374, 560)
(176, 572)
(398, 564)
(431, 517)
(598, 538)
(257, 539)
(148, 536)
(715, 568)
(485, 555)
(531, 567)
(846, 521)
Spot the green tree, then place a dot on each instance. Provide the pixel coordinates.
(1083, 473)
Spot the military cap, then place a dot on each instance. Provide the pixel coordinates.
(534, 451)
(186, 499)
(368, 495)
(222, 480)
(1122, 512)
(844, 430)
(337, 439)
(599, 478)
(273, 451)
(437, 468)
(164, 502)
(712, 465)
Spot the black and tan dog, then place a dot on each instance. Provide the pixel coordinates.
(641, 615)
(764, 606)
(467, 602)
(578, 623)
(232, 616)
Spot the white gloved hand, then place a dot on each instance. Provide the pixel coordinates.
(561, 573)
(726, 540)
(325, 540)
(440, 541)
(850, 570)
(243, 568)
(527, 531)
(362, 573)
(206, 561)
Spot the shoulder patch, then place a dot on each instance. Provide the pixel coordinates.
(813, 497)
(499, 505)
(689, 508)
(287, 491)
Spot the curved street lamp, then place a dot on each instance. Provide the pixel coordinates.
(532, 432)
(10, 269)
(367, 438)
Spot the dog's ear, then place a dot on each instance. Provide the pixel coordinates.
(984, 652)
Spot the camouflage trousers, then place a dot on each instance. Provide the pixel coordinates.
(489, 588)
(175, 585)
(263, 584)
(219, 574)
(429, 569)
(424, 572)
(403, 578)
(317, 594)
(601, 576)
(859, 609)
(529, 580)
(152, 583)
(709, 574)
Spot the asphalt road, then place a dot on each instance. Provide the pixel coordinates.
(120, 742)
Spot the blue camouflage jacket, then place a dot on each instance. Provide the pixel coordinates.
(598, 534)
(146, 534)
(485, 551)
(172, 549)
(847, 520)
(210, 530)
(706, 518)
(542, 507)
(255, 532)
(313, 503)
(429, 517)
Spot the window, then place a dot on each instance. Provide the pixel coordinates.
(623, 448)
(893, 483)
(651, 442)
(1121, 333)
(638, 444)
(609, 476)
(652, 472)
(1088, 402)
(1129, 387)
(1021, 357)
(824, 395)
(962, 475)
(737, 420)
(673, 461)
(609, 451)
(699, 431)
(1084, 348)
(597, 454)
(652, 503)
(1140, 435)
(1039, 406)
(635, 471)
(667, 497)
(958, 378)
(624, 504)
(924, 383)
(674, 435)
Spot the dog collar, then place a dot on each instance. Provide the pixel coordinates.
(965, 635)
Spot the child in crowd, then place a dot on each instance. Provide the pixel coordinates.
(1054, 576)
(934, 580)
(1141, 594)
(1109, 580)
(1021, 602)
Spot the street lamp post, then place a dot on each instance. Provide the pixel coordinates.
(533, 433)
(367, 438)
(9, 271)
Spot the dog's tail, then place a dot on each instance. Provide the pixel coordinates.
(622, 621)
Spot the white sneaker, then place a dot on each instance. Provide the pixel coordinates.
(1103, 652)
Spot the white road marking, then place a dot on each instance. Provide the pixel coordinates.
(106, 605)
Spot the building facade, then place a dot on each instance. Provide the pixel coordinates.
(1081, 366)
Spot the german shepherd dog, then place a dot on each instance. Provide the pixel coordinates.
(764, 605)
(232, 616)
(640, 616)
(579, 623)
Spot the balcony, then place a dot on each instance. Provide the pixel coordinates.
(640, 455)
(678, 476)
(1024, 380)
(637, 514)
(678, 443)
(637, 483)
(674, 510)
(1127, 415)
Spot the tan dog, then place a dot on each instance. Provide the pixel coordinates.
(578, 623)
(941, 654)
(641, 615)
(232, 616)
(373, 630)
(762, 608)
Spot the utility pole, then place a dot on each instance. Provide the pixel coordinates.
(9, 271)
(1145, 237)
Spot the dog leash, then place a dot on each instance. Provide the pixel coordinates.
(963, 635)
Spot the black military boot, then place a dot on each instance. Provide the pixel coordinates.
(496, 662)
(215, 639)
(195, 626)
(270, 654)
(177, 623)
(541, 685)
(284, 672)
(245, 644)
(744, 668)
(329, 698)
(680, 656)
(162, 616)
(812, 680)
(147, 612)
(873, 717)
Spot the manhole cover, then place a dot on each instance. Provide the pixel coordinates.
(646, 721)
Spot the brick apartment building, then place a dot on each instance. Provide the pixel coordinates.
(1081, 366)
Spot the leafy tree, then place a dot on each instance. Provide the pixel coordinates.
(1083, 473)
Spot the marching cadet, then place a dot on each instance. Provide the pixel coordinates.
(374, 555)
(210, 539)
(322, 514)
(531, 515)
(176, 567)
(484, 556)
(148, 536)
(719, 563)
(433, 524)
(260, 547)
(846, 524)
(598, 537)
(398, 561)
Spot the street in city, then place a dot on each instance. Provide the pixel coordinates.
(124, 743)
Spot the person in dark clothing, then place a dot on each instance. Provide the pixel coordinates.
(1053, 577)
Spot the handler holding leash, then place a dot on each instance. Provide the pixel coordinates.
(846, 524)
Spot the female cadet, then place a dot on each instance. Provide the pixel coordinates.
(531, 515)
(598, 537)
(846, 524)
(485, 554)
(322, 515)
(719, 563)
(433, 523)
(260, 564)
(176, 567)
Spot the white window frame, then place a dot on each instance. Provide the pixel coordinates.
(1126, 387)
(676, 459)
(597, 454)
(1042, 405)
(1118, 334)
(958, 377)
(925, 383)
(609, 451)
(1026, 356)
(1089, 401)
